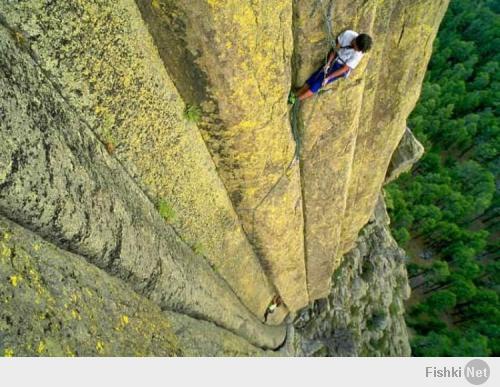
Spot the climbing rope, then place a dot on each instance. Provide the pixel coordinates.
(294, 121)
(294, 115)
(327, 19)
(327, 25)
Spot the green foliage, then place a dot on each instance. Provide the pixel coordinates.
(199, 249)
(394, 309)
(193, 113)
(442, 301)
(472, 344)
(449, 206)
(165, 209)
(450, 343)
(401, 235)
(433, 344)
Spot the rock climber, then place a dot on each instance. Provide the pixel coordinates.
(350, 48)
(273, 305)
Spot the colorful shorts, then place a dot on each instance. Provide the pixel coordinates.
(315, 81)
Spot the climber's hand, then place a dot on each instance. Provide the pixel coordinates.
(325, 82)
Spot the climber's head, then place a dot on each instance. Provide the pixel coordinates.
(363, 43)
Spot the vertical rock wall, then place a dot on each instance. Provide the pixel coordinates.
(105, 63)
(350, 132)
(364, 313)
(408, 152)
(241, 219)
(58, 180)
(232, 59)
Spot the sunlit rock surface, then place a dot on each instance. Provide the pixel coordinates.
(153, 140)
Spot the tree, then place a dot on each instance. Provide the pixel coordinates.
(432, 344)
(470, 344)
(482, 306)
(425, 219)
(401, 235)
(450, 203)
(437, 273)
(442, 301)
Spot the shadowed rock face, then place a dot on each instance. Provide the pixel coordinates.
(350, 133)
(58, 180)
(56, 304)
(408, 152)
(364, 313)
(104, 62)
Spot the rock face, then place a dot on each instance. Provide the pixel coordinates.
(232, 59)
(152, 139)
(105, 64)
(59, 181)
(363, 314)
(54, 303)
(408, 152)
(350, 133)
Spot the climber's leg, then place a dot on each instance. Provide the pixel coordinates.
(302, 90)
(312, 85)
(306, 94)
(294, 95)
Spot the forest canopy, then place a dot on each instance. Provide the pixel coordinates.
(445, 212)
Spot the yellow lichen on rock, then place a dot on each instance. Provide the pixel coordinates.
(350, 132)
(47, 329)
(191, 99)
(108, 67)
(232, 58)
(8, 352)
(15, 279)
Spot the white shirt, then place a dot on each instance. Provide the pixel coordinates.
(350, 56)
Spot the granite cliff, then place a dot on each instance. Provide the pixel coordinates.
(150, 197)
(363, 315)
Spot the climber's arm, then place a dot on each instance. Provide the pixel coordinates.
(333, 53)
(338, 72)
(331, 57)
